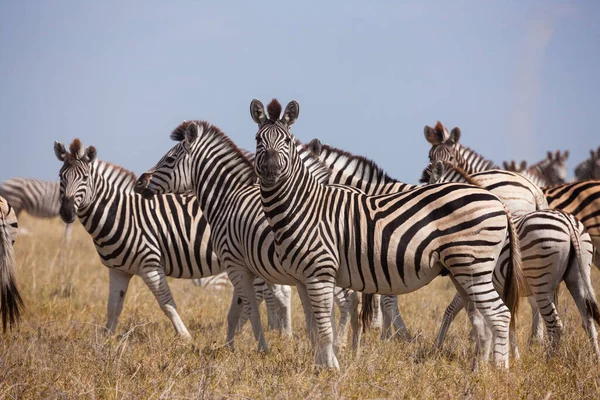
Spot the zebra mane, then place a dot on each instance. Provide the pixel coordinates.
(178, 135)
(448, 168)
(469, 154)
(364, 162)
(113, 173)
(317, 168)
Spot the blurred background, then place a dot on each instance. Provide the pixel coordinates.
(518, 77)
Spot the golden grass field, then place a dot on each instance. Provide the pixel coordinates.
(60, 351)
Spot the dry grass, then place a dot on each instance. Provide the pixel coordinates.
(59, 351)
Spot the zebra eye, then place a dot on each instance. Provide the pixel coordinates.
(288, 140)
(170, 159)
(84, 178)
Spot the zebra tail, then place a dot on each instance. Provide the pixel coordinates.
(515, 281)
(366, 313)
(11, 303)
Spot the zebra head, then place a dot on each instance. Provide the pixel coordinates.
(444, 146)
(274, 141)
(554, 167)
(172, 173)
(76, 179)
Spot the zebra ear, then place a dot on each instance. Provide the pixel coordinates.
(433, 136)
(437, 172)
(454, 135)
(60, 151)
(192, 131)
(549, 155)
(565, 155)
(290, 115)
(506, 165)
(90, 154)
(257, 111)
(315, 146)
(523, 165)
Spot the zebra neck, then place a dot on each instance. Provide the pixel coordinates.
(285, 203)
(219, 169)
(471, 162)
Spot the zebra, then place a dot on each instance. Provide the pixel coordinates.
(550, 171)
(167, 236)
(388, 244)
(582, 199)
(446, 147)
(206, 161)
(590, 168)
(11, 303)
(38, 198)
(551, 241)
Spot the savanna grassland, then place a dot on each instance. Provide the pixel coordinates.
(60, 351)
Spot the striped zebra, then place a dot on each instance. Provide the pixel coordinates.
(550, 171)
(167, 236)
(446, 147)
(582, 199)
(388, 244)
(554, 247)
(11, 303)
(589, 169)
(38, 198)
(206, 161)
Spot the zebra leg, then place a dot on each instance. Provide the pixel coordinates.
(281, 308)
(117, 289)
(377, 320)
(156, 281)
(321, 300)
(546, 305)
(537, 327)
(489, 316)
(243, 281)
(355, 322)
(343, 302)
(451, 312)
(234, 322)
(394, 327)
(579, 285)
(311, 323)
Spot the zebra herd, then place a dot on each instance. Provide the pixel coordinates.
(334, 225)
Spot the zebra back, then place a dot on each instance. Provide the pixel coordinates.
(582, 199)
(518, 193)
(552, 170)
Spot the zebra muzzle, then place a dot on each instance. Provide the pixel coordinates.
(67, 210)
(141, 186)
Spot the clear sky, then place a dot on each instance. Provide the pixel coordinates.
(518, 77)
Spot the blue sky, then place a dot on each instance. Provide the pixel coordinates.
(518, 77)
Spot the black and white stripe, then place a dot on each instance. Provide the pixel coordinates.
(388, 244)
